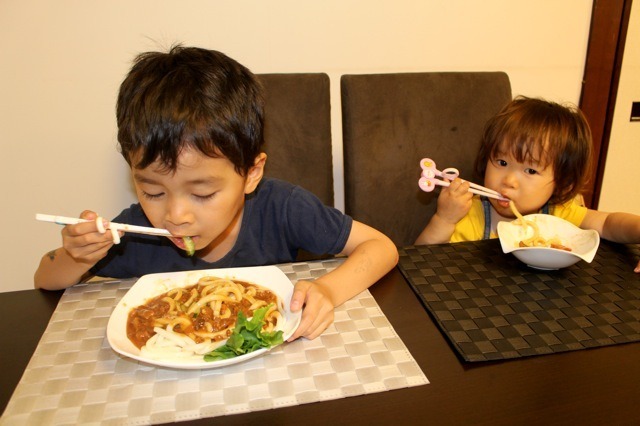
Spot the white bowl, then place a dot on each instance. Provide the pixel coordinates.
(583, 243)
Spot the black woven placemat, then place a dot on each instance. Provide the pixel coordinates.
(492, 307)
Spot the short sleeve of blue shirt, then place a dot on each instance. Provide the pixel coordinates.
(279, 219)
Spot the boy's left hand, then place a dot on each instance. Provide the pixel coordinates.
(317, 314)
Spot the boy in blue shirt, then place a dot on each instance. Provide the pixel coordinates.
(190, 126)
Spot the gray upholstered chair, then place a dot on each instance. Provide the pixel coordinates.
(298, 131)
(391, 121)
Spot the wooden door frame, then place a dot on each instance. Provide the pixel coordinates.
(607, 36)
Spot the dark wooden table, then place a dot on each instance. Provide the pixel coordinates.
(595, 386)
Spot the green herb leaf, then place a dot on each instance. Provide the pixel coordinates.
(246, 337)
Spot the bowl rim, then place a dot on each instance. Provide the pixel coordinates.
(586, 256)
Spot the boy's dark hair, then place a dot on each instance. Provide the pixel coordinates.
(189, 98)
(543, 132)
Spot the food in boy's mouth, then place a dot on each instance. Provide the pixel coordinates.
(189, 246)
(536, 240)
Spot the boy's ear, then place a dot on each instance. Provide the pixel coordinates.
(255, 173)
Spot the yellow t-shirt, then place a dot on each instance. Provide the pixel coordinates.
(471, 227)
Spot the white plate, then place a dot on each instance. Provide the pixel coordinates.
(583, 243)
(153, 285)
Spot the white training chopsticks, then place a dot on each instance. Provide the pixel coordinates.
(428, 180)
(113, 226)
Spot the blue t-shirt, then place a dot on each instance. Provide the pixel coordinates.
(279, 219)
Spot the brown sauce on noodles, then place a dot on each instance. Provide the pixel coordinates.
(142, 319)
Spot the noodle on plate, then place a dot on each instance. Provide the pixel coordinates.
(191, 321)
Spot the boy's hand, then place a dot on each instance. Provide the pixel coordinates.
(317, 314)
(84, 242)
(637, 269)
(454, 201)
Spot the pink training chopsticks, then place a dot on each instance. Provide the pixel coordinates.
(428, 180)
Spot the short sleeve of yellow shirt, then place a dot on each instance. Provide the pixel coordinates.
(471, 227)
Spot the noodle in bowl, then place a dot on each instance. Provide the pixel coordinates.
(582, 243)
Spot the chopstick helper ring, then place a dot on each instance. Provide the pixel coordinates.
(428, 181)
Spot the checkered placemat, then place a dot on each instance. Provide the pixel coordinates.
(492, 307)
(74, 377)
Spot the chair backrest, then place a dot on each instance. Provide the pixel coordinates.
(298, 131)
(391, 121)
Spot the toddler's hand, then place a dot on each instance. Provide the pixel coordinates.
(84, 242)
(637, 269)
(454, 201)
(317, 314)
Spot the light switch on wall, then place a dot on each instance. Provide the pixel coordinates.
(635, 111)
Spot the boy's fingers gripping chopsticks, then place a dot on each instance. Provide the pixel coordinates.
(85, 222)
(101, 224)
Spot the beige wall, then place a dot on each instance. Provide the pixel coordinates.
(622, 169)
(61, 63)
